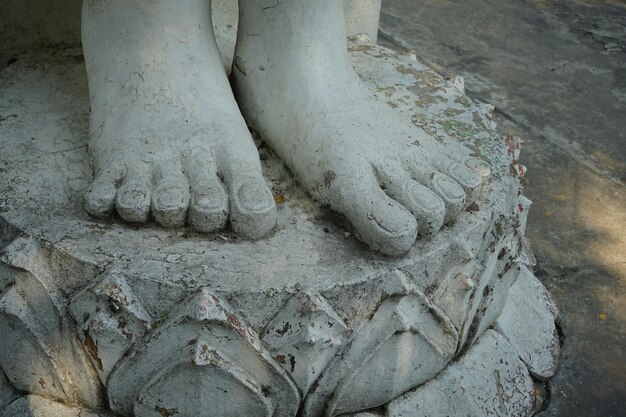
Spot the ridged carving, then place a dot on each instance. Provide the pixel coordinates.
(488, 380)
(205, 347)
(111, 319)
(456, 293)
(496, 275)
(527, 322)
(8, 393)
(404, 342)
(305, 336)
(38, 350)
(36, 406)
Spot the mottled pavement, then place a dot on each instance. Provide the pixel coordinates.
(556, 73)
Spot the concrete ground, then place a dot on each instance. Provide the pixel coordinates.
(556, 72)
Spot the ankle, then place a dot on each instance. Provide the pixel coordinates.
(296, 35)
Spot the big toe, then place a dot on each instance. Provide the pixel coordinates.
(252, 207)
(381, 222)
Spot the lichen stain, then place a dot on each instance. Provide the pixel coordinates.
(292, 362)
(122, 328)
(234, 321)
(285, 329)
(329, 177)
(164, 411)
(92, 349)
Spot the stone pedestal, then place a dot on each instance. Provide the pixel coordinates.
(102, 316)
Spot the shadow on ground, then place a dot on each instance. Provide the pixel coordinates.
(556, 72)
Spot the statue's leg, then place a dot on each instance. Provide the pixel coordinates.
(166, 132)
(362, 16)
(296, 87)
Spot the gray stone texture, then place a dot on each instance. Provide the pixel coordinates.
(36, 406)
(490, 380)
(8, 393)
(527, 322)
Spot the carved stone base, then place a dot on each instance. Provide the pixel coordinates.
(143, 321)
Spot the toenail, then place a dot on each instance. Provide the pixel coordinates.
(171, 197)
(448, 187)
(481, 168)
(133, 194)
(465, 175)
(424, 199)
(209, 198)
(395, 230)
(254, 196)
(133, 203)
(100, 199)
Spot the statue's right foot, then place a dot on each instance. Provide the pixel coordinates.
(296, 87)
(167, 139)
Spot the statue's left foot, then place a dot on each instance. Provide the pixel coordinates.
(298, 90)
(167, 138)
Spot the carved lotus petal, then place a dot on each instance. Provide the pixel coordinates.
(212, 382)
(40, 353)
(305, 336)
(205, 346)
(406, 341)
(111, 319)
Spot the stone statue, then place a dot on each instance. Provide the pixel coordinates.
(168, 138)
(101, 318)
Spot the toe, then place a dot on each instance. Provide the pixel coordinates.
(452, 194)
(481, 169)
(208, 210)
(170, 198)
(133, 200)
(428, 208)
(252, 206)
(470, 179)
(381, 222)
(447, 189)
(100, 196)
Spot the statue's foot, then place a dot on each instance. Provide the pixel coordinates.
(167, 138)
(295, 86)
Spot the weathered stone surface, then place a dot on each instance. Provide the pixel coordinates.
(36, 406)
(489, 380)
(528, 323)
(205, 347)
(8, 393)
(362, 415)
(111, 319)
(40, 353)
(305, 336)
(133, 295)
(405, 342)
